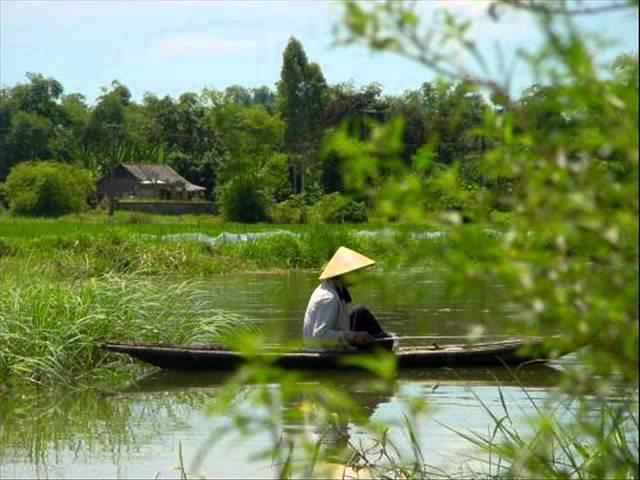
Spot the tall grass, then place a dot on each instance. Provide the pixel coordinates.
(50, 331)
(562, 442)
(133, 222)
(84, 254)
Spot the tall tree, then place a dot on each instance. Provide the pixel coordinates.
(355, 109)
(106, 122)
(106, 137)
(302, 92)
(30, 113)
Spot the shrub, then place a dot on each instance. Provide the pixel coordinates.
(285, 251)
(242, 200)
(293, 210)
(3, 197)
(337, 208)
(48, 189)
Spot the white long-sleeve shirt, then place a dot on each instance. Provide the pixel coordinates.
(327, 318)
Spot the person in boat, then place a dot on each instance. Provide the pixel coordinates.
(328, 323)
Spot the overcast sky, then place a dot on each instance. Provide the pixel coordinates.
(168, 47)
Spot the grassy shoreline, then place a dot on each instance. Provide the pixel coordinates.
(68, 285)
(87, 247)
(133, 222)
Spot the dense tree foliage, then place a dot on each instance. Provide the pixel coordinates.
(276, 138)
(272, 136)
(301, 100)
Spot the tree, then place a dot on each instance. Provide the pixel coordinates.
(571, 149)
(106, 137)
(240, 95)
(28, 138)
(40, 96)
(264, 97)
(302, 97)
(30, 118)
(66, 145)
(106, 121)
(353, 110)
(250, 140)
(242, 199)
(346, 103)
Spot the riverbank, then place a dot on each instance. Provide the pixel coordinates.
(91, 246)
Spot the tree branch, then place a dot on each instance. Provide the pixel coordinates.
(548, 7)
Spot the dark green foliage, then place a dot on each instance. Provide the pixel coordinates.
(332, 208)
(48, 189)
(331, 173)
(444, 115)
(4, 203)
(337, 208)
(262, 97)
(106, 122)
(27, 139)
(302, 92)
(292, 210)
(243, 200)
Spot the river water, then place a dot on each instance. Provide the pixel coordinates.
(140, 429)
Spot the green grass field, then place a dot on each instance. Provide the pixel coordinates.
(93, 244)
(131, 222)
(121, 222)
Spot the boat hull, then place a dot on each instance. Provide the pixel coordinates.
(508, 352)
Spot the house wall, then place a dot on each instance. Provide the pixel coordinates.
(118, 187)
(120, 184)
(143, 191)
(168, 208)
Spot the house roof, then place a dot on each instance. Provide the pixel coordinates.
(159, 174)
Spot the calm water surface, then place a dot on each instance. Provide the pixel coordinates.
(136, 431)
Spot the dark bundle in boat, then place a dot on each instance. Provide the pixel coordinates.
(505, 352)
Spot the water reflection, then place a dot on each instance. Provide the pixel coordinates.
(355, 382)
(135, 431)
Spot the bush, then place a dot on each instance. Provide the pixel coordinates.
(293, 210)
(332, 208)
(48, 189)
(4, 203)
(337, 208)
(242, 200)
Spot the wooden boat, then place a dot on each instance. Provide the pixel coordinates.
(510, 352)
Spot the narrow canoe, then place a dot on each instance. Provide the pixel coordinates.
(510, 352)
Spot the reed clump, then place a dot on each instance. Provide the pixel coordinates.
(50, 331)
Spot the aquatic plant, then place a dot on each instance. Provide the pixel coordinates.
(50, 331)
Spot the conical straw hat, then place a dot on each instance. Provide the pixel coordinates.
(345, 261)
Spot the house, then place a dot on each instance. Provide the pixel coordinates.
(148, 182)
